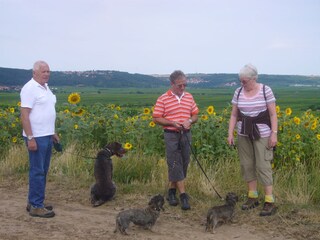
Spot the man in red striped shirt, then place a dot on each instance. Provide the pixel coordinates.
(176, 111)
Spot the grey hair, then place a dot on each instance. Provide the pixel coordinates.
(249, 71)
(38, 64)
(175, 75)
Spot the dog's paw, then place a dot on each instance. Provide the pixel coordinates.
(97, 203)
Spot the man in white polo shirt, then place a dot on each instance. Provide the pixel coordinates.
(38, 117)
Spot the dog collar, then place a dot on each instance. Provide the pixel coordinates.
(107, 149)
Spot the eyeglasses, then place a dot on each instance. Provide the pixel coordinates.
(181, 85)
(244, 79)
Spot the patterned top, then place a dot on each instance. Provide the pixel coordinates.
(252, 106)
(173, 108)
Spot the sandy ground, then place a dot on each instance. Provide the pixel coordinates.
(76, 219)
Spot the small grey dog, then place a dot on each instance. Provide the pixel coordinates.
(221, 214)
(142, 217)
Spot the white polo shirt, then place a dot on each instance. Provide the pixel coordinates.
(42, 103)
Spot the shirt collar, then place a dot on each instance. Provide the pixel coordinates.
(39, 85)
(170, 93)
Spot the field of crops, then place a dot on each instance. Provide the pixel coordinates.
(93, 117)
(298, 99)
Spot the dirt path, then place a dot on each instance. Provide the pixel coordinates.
(76, 219)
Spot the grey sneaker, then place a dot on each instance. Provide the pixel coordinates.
(250, 203)
(268, 209)
(41, 212)
(48, 207)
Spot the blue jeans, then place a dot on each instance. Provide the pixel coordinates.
(39, 165)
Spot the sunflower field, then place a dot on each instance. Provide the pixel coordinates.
(298, 135)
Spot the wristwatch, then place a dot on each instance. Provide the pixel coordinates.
(30, 137)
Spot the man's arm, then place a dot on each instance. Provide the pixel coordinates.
(164, 122)
(26, 125)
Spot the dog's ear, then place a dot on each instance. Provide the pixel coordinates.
(114, 146)
(110, 145)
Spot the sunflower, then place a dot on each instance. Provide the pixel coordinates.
(307, 113)
(116, 116)
(76, 126)
(128, 146)
(306, 124)
(11, 110)
(210, 110)
(152, 124)
(19, 104)
(66, 111)
(101, 121)
(146, 111)
(204, 117)
(288, 111)
(313, 126)
(298, 136)
(318, 136)
(296, 120)
(144, 118)
(74, 98)
(79, 112)
(118, 108)
(14, 139)
(277, 109)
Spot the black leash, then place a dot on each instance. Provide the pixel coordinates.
(195, 157)
(78, 155)
(82, 156)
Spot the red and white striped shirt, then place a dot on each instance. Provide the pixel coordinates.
(173, 108)
(252, 106)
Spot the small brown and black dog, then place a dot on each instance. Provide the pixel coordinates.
(221, 214)
(104, 188)
(146, 217)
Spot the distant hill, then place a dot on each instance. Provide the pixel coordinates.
(109, 79)
(116, 79)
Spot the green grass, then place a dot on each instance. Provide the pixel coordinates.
(299, 99)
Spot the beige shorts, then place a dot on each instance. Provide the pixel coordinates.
(255, 160)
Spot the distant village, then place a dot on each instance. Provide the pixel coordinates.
(10, 88)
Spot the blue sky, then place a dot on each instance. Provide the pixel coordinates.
(159, 36)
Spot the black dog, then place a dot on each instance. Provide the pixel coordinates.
(104, 188)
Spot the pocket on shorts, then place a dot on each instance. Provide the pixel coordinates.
(268, 154)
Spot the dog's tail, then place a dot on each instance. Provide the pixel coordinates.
(117, 225)
(209, 222)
